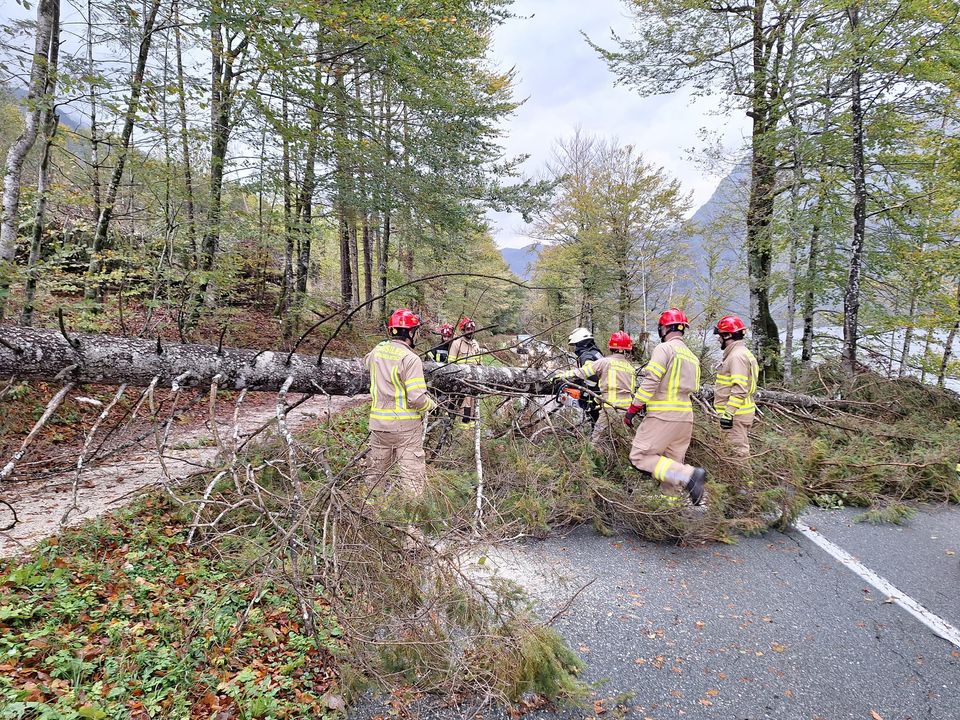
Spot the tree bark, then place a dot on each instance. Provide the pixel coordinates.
(948, 345)
(38, 354)
(851, 294)
(50, 123)
(185, 142)
(223, 76)
(112, 360)
(94, 137)
(17, 154)
(92, 290)
(760, 210)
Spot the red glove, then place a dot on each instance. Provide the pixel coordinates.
(632, 412)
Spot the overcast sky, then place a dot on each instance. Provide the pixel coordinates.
(565, 85)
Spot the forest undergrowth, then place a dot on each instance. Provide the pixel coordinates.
(283, 579)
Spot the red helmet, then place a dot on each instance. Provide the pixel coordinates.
(673, 316)
(403, 318)
(467, 324)
(729, 324)
(620, 341)
(446, 330)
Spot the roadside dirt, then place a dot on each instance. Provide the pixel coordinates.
(40, 505)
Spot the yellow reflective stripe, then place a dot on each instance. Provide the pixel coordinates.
(379, 413)
(621, 403)
(669, 406)
(642, 395)
(660, 470)
(742, 378)
(414, 383)
(655, 369)
(587, 368)
(735, 401)
(612, 385)
(746, 409)
(673, 385)
(400, 396)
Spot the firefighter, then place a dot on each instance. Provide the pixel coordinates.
(440, 353)
(586, 350)
(616, 379)
(667, 382)
(736, 384)
(466, 350)
(399, 401)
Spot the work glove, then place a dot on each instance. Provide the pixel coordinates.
(726, 421)
(632, 412)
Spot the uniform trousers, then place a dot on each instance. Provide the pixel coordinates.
(659, 448)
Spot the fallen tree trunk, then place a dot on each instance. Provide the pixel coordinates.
(38, 354)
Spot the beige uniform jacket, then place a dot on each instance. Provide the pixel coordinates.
(667, 382)
(616, 378)
(465, 351)
(736, 381)
(397, 387)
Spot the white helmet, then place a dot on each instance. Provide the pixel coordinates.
(579, 335)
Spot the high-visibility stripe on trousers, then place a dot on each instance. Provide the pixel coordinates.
(659, 448)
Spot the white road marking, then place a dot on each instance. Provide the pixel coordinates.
(936, 623)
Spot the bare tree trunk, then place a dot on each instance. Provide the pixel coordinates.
(948, 346)
(224, 74)
(286, 293)
(50, 123)
(47, 10)
(766, 336)
(94, 131)
(382, 262)
(851, 295)
(908, 336)
(185, 141)
(354, 261)
(92, 290)
(112, 360)
(367, 263)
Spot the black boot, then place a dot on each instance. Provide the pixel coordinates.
(696, 485)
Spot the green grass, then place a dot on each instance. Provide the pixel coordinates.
(120, 619)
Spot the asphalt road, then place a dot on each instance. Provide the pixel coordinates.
(773, 627)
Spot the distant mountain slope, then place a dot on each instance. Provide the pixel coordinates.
(521, 260)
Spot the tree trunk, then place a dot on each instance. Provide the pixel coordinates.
(851, 294)
(286, 293)
(766, 336)
(948, 346)
(908, 336)
(791, 311)
(809, 297)
(185, 142)
(94, 132)
(111, 360)
(50, 123)
(223, 75)
(92, 290)
(37, 354)
(17, 154)
(354, 262)
(367, 264)
(382, 262)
